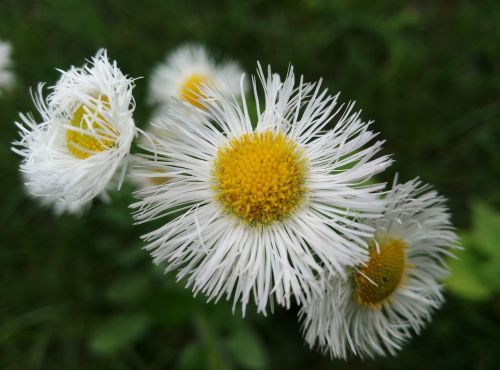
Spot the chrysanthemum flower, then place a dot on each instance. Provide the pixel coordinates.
(264, 208)
(84, 137)
(145, 173)
(186, 71)
(6, 76)
(375, 310)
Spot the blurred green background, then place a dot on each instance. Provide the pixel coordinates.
(80, 293)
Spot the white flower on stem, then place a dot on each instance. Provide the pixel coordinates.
(6, 75)
(265, 207)
(184, 73)
(382, 302)
(84, 137)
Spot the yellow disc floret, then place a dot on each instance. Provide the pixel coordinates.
(191, 90)
(260, 177)
(385, 269)
(93, 134)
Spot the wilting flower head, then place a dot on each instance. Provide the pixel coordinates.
(84, 136)
(6, 76)
(375, 310)
(185, 72)
(265, 207)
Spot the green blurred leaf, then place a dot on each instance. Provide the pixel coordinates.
(486, 230)
(215, 358)
(476, 273)
(128, 288)
(246, 348)
(117, 333)
(191, 357)
(465, 279)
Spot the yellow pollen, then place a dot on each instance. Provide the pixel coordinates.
(385, 268)
(191, 89)
(260, 177)
(85, 142)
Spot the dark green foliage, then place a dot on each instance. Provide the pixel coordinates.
(80, 293)
(476, 271)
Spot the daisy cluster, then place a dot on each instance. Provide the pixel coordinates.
(267, 188)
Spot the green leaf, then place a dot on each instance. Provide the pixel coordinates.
(246, 348)
(466, 279)
(117, 333)
(486, 223)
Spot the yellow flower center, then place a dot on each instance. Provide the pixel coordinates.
(93, 133)
(191, 90)
(260, 177)
(385, 268)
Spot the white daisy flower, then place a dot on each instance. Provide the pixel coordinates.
(145, 173)
(184, 73)
(6, 76)
(264, 207)
(375, 310)
(84, 137)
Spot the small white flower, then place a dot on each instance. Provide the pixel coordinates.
(375, 310)
(6, 76)
(84, 137)
(186, 71)
(145, 173)
(264, 207)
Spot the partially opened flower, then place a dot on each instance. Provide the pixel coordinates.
(6, 75)
(185, 72)
(265, 207)
(84, 136)
(375, 310)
